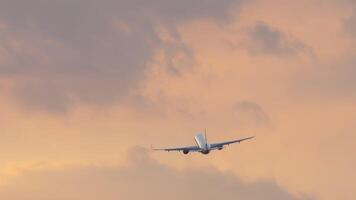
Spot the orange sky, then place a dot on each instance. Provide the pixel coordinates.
(88, 86)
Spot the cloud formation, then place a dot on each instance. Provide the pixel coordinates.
(250, 113)
(141, 178)
(350, 24)
(58, 53)
(335, 80)
(264, 39)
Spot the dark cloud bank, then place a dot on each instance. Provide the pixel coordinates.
(62, 52)
(142, 178)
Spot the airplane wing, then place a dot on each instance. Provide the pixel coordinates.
(190, 148)
(222, 144)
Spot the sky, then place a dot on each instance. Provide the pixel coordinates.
(86, 87)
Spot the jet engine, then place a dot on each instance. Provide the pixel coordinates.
(185, 151)
(205, 151)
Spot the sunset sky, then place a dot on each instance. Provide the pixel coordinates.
(87, 86)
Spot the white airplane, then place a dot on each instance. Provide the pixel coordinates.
(202, 145)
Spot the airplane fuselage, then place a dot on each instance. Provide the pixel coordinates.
(202, 142)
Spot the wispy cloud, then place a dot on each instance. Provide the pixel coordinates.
(265, 39)
(141, 178)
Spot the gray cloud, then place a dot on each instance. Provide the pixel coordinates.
(337, 80)
(264, 39)
(142, 178)
(95, 52)
(177, 58)
(251, 114)
(350, 24)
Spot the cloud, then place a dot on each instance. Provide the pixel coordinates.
(251, 114)
(47, 97)
(350, 24)
(264, 39)
(141, 178)
(337, 80)
(91, 52)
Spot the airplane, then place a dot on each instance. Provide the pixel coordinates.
(202, 145)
